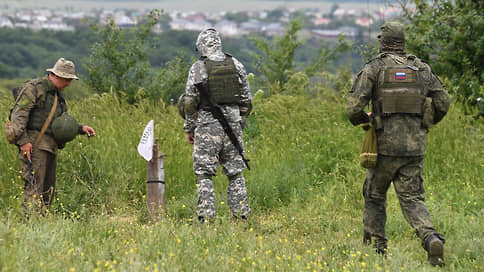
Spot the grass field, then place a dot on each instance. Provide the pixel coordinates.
(304, 189)
(179, 5)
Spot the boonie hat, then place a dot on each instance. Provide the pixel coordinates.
(64, 68)
(393, 30)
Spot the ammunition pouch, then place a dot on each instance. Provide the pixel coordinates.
(402, 101)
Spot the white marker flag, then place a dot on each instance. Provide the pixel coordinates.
(145, 146)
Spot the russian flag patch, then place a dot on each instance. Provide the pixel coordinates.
(400, 75)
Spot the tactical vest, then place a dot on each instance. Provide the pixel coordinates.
(400, 88)
(223, 81)
(38, 115)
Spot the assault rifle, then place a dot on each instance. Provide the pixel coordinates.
(217, 112)
(31, 173)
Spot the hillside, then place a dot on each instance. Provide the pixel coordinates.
(304, 189)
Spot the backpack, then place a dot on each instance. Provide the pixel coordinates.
(16, 92)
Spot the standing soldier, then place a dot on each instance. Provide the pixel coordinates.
(41, 126)
(407, 99)
(217, 81)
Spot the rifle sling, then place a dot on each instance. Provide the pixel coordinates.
(46, 124)
(217, 112)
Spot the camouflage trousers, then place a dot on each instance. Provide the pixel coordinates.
(406, 175)
(211, 148)
(39, 189)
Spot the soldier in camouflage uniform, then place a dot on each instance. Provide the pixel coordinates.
(407, 99)
(35, 101)
(227, 81)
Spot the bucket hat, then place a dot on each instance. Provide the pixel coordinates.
(64, 68)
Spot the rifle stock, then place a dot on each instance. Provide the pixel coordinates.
(31, 173)
(217, 112)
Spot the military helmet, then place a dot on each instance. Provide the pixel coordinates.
(392, 29)
(187, 105)
(65, 128)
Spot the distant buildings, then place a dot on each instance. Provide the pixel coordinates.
(257, 22)
(5, 22)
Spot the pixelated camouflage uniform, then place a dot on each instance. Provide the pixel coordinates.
(212, 146)
(28, 116)
(401, 147)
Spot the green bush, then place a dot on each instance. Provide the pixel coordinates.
(450, 35)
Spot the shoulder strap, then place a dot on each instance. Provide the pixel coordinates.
(46, 124)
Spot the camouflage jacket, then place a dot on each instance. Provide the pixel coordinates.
(401, 134)
(33, 95)
(233, 113)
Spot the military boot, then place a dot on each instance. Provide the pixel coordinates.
(381, 247)
(435, 250)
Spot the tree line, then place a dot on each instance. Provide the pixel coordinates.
(138, 63)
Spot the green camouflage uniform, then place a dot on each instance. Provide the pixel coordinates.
(28, 117)
(401, 147)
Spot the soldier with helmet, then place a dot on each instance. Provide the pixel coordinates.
(41, 126)
(407, 98)
(225, 80)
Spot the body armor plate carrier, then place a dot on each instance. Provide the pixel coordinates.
(223, 81)
(39, 114)
(400, 90)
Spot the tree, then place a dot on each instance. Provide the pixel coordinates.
(450, 35)
(276, 62)
(120, 60)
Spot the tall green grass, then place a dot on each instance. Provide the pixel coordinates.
(304, 189)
